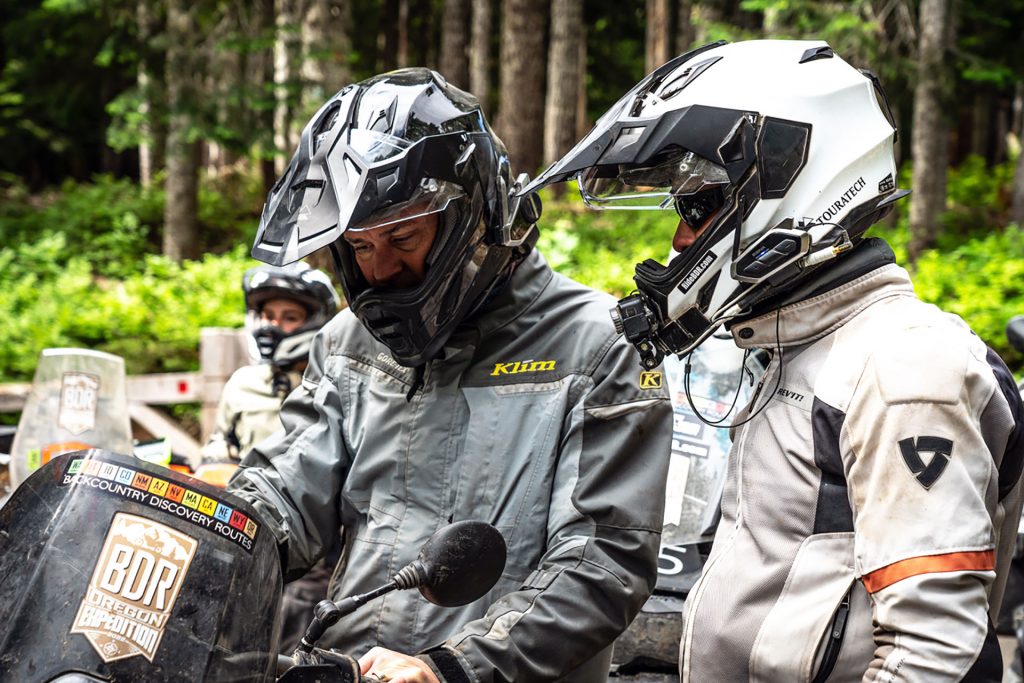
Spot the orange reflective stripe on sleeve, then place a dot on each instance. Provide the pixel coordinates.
(980, 560)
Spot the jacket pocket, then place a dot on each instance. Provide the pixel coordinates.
(793, 639)
(507, 468)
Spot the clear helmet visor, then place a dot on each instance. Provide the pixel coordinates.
(680, 181)
(373, 146)
(430, 197)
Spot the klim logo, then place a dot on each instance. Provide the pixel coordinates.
(521, 366)
(650, 380)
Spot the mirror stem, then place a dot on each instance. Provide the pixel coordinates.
(327, 613)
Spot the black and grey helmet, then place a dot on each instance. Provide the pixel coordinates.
(297, 282)
(377, 152)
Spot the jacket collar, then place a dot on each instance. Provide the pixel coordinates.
(530, 278)
(825, 308)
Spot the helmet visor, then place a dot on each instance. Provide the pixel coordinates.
(659, 185)
(374, 146)
(430, 197)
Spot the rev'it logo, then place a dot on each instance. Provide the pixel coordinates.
(522, 366)
(941, 450)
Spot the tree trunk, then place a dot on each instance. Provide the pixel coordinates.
(657, 43)
(705, 13)
(582, 121)
(1017, 203)
(981, 124)
(1001, 131)
(222, 80)
(480, 53)
(564, 75)
(181, 230)
(424, 35)
(387, 37)
(326, 44)
(929, 131)
(454, 61)
(1017, 114)
(287, 56)
(260, 116)
(685, 32)
(521, 100)
(402, 49)
(150, 82)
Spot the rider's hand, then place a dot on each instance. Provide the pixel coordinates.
(394, 667)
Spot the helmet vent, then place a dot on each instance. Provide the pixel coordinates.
(820, 52)
(677, 84)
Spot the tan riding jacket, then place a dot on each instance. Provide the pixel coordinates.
(870, 510)
(248, 412)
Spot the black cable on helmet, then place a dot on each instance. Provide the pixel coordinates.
(778, 382)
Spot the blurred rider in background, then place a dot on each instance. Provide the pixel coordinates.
(285, 307)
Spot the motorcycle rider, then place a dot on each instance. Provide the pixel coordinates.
(285, 307)
(873, 493)
(466, 380)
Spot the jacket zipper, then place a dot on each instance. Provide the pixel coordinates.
(835, 640)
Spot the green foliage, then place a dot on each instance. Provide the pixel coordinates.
(59, 65)
(111, 223)
(151, 318)
(982, 281)
(601, 248)
(80, 269)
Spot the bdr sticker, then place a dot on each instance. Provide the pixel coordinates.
(79, 397)
(133, 587)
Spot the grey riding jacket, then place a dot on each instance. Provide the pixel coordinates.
(537, 420)
(870, 510)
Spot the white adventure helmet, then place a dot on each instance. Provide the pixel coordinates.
(781, 152)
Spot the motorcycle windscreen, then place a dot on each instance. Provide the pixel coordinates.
(78, 400)
(128, 571)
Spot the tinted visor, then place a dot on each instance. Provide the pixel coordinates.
(697, 208)
(669, 182)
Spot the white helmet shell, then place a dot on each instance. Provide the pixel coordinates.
(806, 144)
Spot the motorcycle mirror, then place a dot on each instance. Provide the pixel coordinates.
(457, 565)
(1015, 332)
(462, 561)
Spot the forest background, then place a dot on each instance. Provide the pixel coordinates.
(139, 139)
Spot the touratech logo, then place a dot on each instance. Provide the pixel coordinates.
(522, 366)
(650, 380)
(133, 588)
(838, 205)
